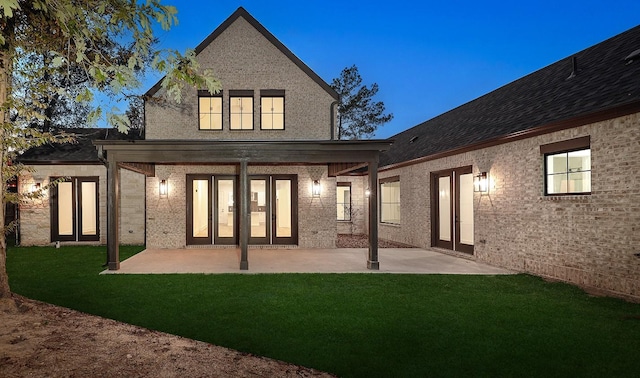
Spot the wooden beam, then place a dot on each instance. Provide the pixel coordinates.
(147, 169)
(186, 151)
(372, 262)
(113, 215)
(245, 222)
(338, 169)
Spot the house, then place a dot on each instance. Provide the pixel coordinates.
(538, 176)
(74, 211)
(254, 164)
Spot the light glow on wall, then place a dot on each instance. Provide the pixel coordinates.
(316, 188)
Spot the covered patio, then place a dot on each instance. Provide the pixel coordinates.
(297, 260)
(142, 156)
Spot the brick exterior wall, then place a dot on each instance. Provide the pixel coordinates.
(166, 217)
(35, 215)
(587, 240)
(243, 59)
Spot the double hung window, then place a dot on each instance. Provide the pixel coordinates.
(210, 111)
(241, 110)
(390, 200)
(272, 109)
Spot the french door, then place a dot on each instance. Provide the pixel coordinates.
(212, 210)
(452, 204)
(273, 209)
(74, 210)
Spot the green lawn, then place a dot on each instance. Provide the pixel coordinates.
(359, 325)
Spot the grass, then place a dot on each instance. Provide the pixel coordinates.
(356, 325)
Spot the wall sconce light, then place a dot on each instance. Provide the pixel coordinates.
(481, 182)
(367, 192)
(315, 188)
(163, 188)
(35, 187)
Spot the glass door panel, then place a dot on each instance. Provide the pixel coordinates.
(259, 209)
(444, 208)
(225, 210)
(466, 209)
(200, 208)
(283, 209)
(66, 209)
(88, 216)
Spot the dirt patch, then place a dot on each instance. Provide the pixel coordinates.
(42, 340)
(362, 241)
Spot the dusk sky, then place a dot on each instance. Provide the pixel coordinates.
(427, 56)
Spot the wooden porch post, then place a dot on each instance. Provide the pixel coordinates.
(113, 214)
(372, 262)
(244, 216)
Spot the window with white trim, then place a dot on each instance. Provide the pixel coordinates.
(390, 200)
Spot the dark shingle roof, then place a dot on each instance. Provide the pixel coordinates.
(82, 151)
(604, 80)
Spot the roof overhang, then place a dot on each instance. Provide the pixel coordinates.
(253, 152)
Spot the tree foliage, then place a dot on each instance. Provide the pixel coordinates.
(359, 115)
(49, 46)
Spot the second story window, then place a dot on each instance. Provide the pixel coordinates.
(241, 110)
(210, 111)
(272, 109)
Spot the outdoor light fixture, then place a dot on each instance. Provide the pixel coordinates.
(163, 188)
(35, 187)
(367, 192)
(315, 188)
(481, 183)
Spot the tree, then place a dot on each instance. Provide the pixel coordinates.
(358, 114)
(105, 43)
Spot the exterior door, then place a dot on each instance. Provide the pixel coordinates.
(285, 210)
(452, 204)
(273, 205)
(74, 210)
(211, 210)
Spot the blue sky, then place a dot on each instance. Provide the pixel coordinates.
(427, 56)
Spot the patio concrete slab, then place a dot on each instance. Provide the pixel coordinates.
(341, 260)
